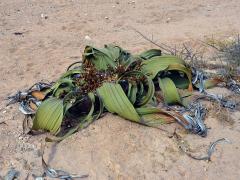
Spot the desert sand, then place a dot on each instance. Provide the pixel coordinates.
(39, 39)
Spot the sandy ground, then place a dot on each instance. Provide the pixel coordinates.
(111, 148)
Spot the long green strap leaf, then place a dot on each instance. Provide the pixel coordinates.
(133, 94)
(49, 115)
(83, 121)
(102, 58)
(209, 83)
(157, 64)
(116, 101)
(152, 116)
(144, 98)
(71, 73)
(169, 90)
(184, 69)
(150, 53)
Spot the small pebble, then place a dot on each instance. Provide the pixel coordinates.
(231, 38)
(131, 2)
(106, 17)
(87, 38)
(168, 20)
(44, 16)
(4, 111)
(20, 138)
